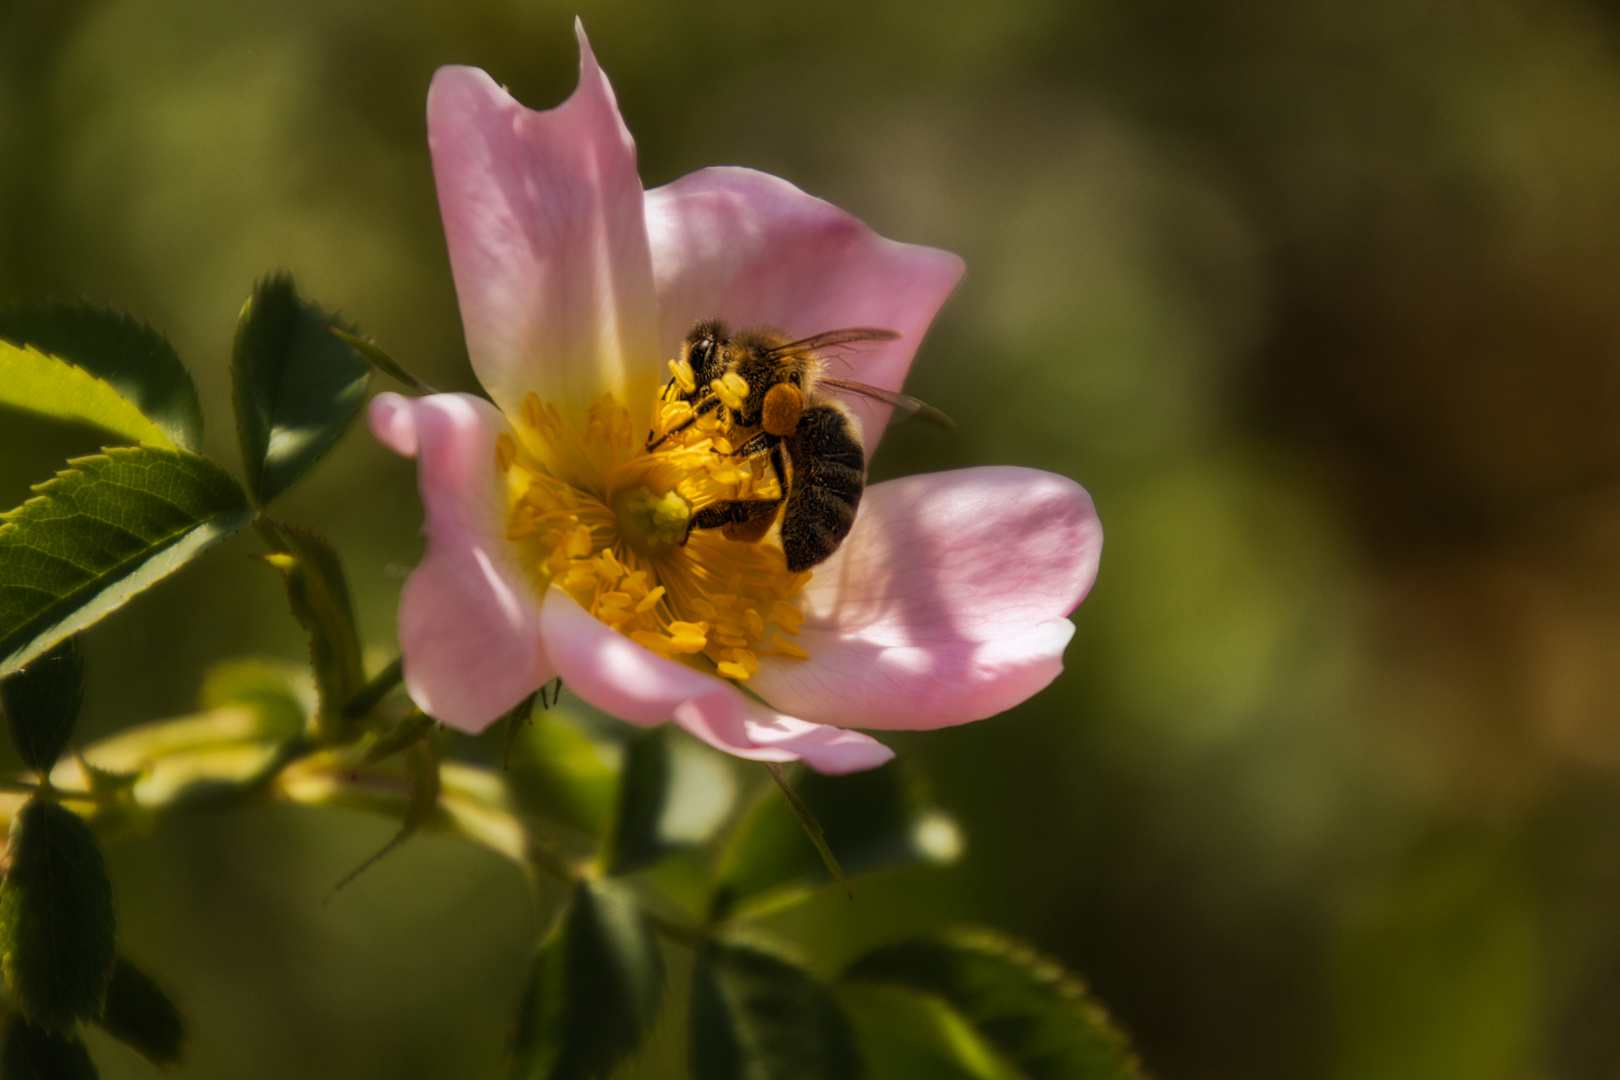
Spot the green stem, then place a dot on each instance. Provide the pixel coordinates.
(369, 696)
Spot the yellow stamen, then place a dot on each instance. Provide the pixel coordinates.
(732, 390)
(596, 513)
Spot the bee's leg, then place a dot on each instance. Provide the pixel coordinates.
(762, 443)
(704, 407)
(741, 519)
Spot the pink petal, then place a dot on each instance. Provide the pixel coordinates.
(826, 749)
(468, 625)
(620, 677)
(947, 603)
(543, 215)
(754, 250)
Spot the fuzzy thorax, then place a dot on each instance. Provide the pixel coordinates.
(603, 517)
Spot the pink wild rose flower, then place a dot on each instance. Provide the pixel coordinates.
(553, 532)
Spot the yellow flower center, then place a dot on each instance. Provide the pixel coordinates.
(598, 514)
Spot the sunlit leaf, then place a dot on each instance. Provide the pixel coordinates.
(319, 596)
(908, 1036)
(101, 531)
(39, 383)
(42, 702)
(140, 1015)
(1038, 1016)
(757, 1015)
(593, 991)
(673, 794)
(33, 1053)
(56, 917)
(873, 820)
(265, 688)
(136, 361)
(296, 386)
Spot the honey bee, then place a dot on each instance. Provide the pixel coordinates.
(812, 442)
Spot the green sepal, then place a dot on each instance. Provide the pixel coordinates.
(296, 386)
(381, 360)
(426, 785)
(873, 820)
(593, 991)
(100, 531)
(1038, 1016)
(130, 358)
(42, 702)
(33, 1053)
(57, 926)
(759, 1015)
(140, 1015)
(319, 596)
(407, 733)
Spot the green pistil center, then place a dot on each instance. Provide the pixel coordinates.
(651, 524)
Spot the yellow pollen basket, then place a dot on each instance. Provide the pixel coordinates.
(598, 514)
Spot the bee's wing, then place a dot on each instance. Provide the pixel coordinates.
(904, 404)
(829, 338)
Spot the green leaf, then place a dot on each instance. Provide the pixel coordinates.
(1038, 1016)
(873, 820)
(673, 794)
(267, 689)
(32, 1053)
(101, 531)
(135, 360)
(56, 917)
(141, 1016)
(756, 1015)
(319, 596)
(296, 386)
(593, 992)
(563, 776)
(37, 382)
(907, 1036)
(42, 704)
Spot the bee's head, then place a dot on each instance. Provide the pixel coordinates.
(703, 349)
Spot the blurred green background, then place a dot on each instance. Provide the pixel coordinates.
(1317, 297)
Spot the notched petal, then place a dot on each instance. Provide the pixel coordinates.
(543, 216)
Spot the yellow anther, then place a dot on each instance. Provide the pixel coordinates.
(738, 664)
(650, 601)
(756, 625)
(505, 450)
(688, 637)
(579, 543)
(682, 372)
(787, 648)
(731, 388)
(785, 616)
